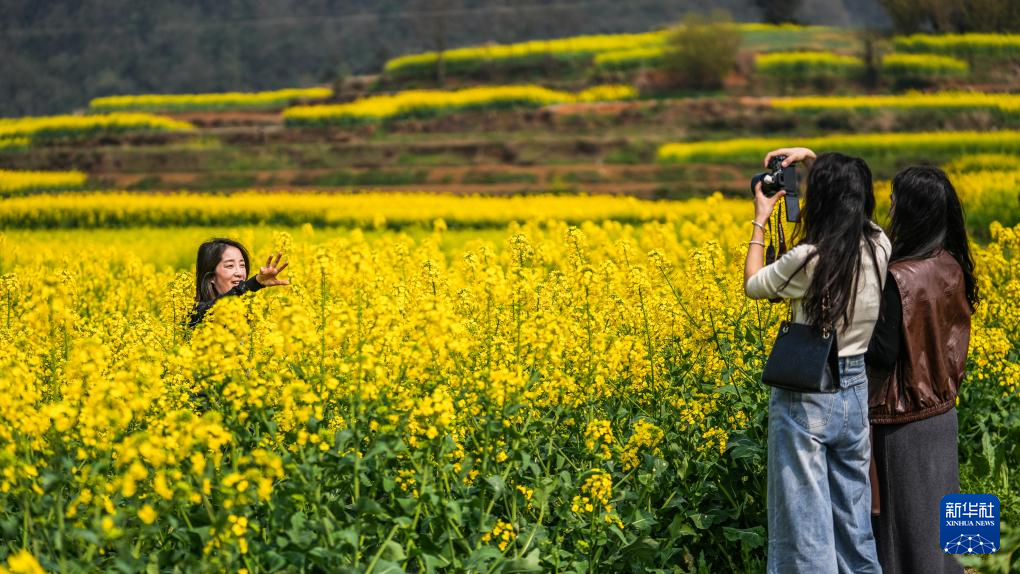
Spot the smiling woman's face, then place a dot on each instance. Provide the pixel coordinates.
(230, 271)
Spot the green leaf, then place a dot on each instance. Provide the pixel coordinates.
(681, 468)
(619, 534)
(741, 447)
(727, 390)
(482, 557)
(273, 560)
(530, 563)
(367, 505)
(321, 556)
(987, 449)
(680, 528)
(642, 520)
(388, 567)
(49, 479)
(497, 484)
(86, 536)
(348, 535)
(642, 549)
(300, 535)
(749, 537)
(701, 521)
(407, 504)
(676, 502)
(454, 511)
(394, 551)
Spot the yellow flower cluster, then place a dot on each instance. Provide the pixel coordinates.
(807, 64)
(598, 437)
(17, 182)
(234, 533)
(503, 533)
(572, 49)
(993, 46)
(994, 352)
(406, 481)
(429, 416)
(923, 66)
(367, 210)
(43, 127)
(565, 48)
(646, 437)
(880, 144)
(1009, 103)
(984, 162)
(596, 491)
(487, 359)
(422, 103)
(594, 498)
(714, 437)
(14, 143)
(988, 196)
(218, 101)
(607, 93)
(630, 58)
(22, 562)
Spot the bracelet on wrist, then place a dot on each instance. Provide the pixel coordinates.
(749, 243)
(758, 225)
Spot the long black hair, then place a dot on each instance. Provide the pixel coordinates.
(838, 205)
(209, 255)
(928, 217)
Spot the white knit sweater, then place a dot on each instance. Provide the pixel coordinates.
(768, 283)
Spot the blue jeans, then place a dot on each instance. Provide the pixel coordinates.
(819, 494)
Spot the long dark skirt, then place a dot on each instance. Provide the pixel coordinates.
(917, 465)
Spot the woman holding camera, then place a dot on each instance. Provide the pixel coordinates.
(916, 361)
(819, 451)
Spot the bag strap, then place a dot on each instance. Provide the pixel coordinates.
(772, 253)
(826, 329)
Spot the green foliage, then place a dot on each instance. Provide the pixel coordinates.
(972, 47)
(811, 68)
(702, 51)
(910, 16)
(778, 11)
(908, 70)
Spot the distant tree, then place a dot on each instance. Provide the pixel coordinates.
(871, 39)
(702, 51)
(434, 25)
(778, 11)
(990, 15)
(948, 16)
(906, 15)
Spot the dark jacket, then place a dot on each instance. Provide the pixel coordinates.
(918, 353)
(198, 313)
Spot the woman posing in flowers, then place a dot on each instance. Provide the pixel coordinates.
(916, 361)
(222, 270)
(819, 495)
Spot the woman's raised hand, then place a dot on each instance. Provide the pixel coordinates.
(793, 155)
(267, 275)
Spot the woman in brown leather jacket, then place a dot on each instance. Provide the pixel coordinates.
(916, 361)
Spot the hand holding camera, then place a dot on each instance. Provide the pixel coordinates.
(768, 188)
(781, 180)
(792, 156)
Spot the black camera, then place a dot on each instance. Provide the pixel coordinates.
(780, 178)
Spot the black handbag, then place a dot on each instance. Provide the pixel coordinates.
(804, 359)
